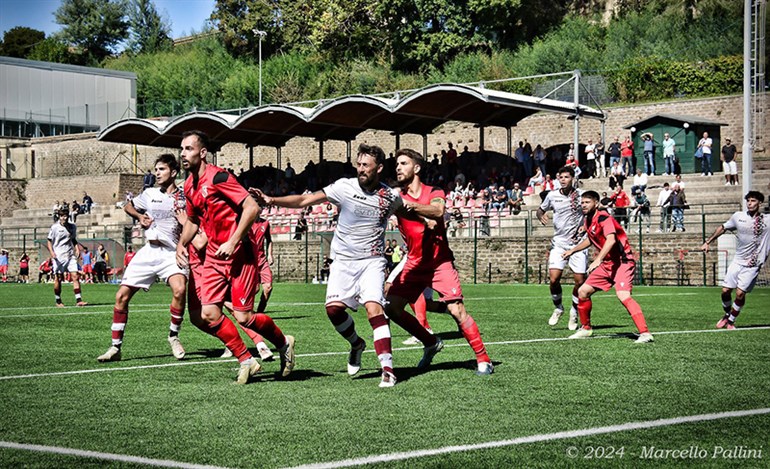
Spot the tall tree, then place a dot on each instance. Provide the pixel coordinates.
(19, 41)
(237, 20)
(54, 49)
(149, 32)
(95, 27)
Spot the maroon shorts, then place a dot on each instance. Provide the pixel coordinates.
(88, 269)
(264, 272)
(414, 279)
(617, 274)
(237, 275)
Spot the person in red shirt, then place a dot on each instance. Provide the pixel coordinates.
(128, 256)
(217, 205)
(621, 202)
(627, 157)
(614, 265)
(430, 261)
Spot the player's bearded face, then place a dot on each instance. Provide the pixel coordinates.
(587, 205)
(405, 169)
(192, 153)
(367, 170)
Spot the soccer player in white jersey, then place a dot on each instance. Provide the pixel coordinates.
(567, 221)
(64, 250)
(357, 274)
(161, 207)
(752, 228)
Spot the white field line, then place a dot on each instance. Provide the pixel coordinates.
(315, 303)
(623, 427)
(103, 456)
(326, 354)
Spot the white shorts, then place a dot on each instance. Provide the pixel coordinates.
(740, 276)
(578, 262)
(61, 265)
(149, 262)
(356, 282)
(730, 168)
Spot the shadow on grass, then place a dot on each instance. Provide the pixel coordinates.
(296, 375)
(406, 373)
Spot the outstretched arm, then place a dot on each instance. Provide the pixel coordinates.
(717, 233)
(289, 201)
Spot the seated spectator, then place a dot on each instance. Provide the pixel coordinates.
(641, 210)
(606, 202)
(45, 271)
(549, 185)
(55, 211)
(515, 199)
(456, 222)
(617, 175)
(324, 273)
(500, 199)
(536, 179)
(486, 200)
(469, 193)
(640, 182)
(620, 202)
(87, 203)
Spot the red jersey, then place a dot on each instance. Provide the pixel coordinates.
(127, 258)
(601, 225)
(260, 231)
(214, 203)
(422, 242)
(621, 199)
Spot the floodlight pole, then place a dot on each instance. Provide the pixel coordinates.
(261, 35)
(576, 129)
(747, 86)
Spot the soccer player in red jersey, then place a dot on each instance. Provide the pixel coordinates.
(430, 261)
(224, 211)
(614, 265)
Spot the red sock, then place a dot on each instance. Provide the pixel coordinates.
(252, 335)
(119, 320)
(343, 323)
(636, 314)
(584, 310)
(382, 344)
(471, 332)
(263, 324)
(177, 316)
(420, 308)
(224, 330)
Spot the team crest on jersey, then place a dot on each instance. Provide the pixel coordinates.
(205, 191)
(243, 301)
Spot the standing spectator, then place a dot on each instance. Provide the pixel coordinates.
(678, 180)
(641, 210)
(528, 161)
(627, 156)
(76, 210)
(601, 157)
(311, 176)
(100, 267)
(728, 163)
(620, 202)
(301, 227)
(148, 180)
(515, 199)
(573, 162)
(389, 265)
(519, 173)
(669, 153)
(640, 182)
(128, 256)
(24, 268)
(4, 265)
(704, 145)
(451, 159)
(540, 158)
(590, 159)
(330, 213)
(88, 267)
(87, 202)
(678, 203)
(289, 173)
(614, 150)
(649, 154)
(55, 211)
(665, 208)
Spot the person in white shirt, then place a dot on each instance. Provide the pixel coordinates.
(665, 209)
(64, 250)
(357, 275)
(161, 216)
(752, 230)
(705, 146)
(640, 182)
(590, 159)
(669, 154)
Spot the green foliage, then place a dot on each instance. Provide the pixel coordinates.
(95, 27)
(237, 20)
(149, 32)
(19, 41)
(54, 49)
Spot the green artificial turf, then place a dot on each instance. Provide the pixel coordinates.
(194, 413)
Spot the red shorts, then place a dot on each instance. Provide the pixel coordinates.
(237, 276)
(264, 272)
(88, 269)
(194, 287)
(414, 279)
(617, 274)
(3, 269)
